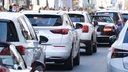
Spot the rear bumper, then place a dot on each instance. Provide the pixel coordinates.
(58, 54)
(116, 65)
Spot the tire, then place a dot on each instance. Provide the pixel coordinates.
(77, 59)
(89, 48)
(69, 63)
(95, 47)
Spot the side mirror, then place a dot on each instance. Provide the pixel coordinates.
(79, 26)
(43, 39)
(95, 23)
(37, 66)
(112, 38)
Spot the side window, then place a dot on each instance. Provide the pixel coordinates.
(11, 32)
(67, 20)
(70, 21)
(30, 28)
(24, 28)
(87, 18)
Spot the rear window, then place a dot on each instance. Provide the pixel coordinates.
(76, 18)
(8, 31)
(45, 20)
(114, 15)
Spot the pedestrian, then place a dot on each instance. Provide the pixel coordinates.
(1, 9)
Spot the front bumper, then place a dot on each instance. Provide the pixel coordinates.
(103, 39)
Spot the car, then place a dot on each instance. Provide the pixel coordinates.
(115, 14)
(105, 28)
(86, 31)
(63, 42)
(117, 57)
(12, 61)
(16, 29)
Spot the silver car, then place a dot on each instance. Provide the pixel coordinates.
(16, 29)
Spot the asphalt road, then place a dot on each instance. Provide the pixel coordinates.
(94, 63)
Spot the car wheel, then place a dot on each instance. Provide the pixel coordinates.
(69, 63)
(77, 59)
(95, 47)
(89, 48)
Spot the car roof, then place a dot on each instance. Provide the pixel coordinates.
(49, 12)
(102, 15)
(124, 12)
(108, 11)
(9, 15)
(76, 12)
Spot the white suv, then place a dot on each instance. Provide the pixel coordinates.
(16, 29)
(86, 30)
(63, 40)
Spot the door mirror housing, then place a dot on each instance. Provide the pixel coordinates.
(112, 38)
(95, 23)
(43, 39)
(78, 26)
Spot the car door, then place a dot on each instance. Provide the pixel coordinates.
(74, 35)
(33, 50)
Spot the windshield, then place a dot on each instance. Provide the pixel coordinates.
(102, 19)
(8, 31)
(76, 18)
(45, 20)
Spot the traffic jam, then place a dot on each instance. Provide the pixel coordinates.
(29, 39)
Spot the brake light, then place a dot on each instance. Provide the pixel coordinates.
(5, 51)
(4, 69)
(85, 29)
(119, 53)
(21, 50)
(60, 31)
(107, 29)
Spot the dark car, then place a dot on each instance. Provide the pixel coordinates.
(116, 16)
(105, 27)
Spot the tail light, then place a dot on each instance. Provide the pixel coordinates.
(119, 53)
(85, 29)
(5, 51)
(107, 29)
(60, 31)
(4, 69)
(21, 50)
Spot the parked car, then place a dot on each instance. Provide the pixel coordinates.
(115, 14)
(105, 28)
(117, 58)
(63, 42)
(16, 29)
(12, 61)
(86, 31)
